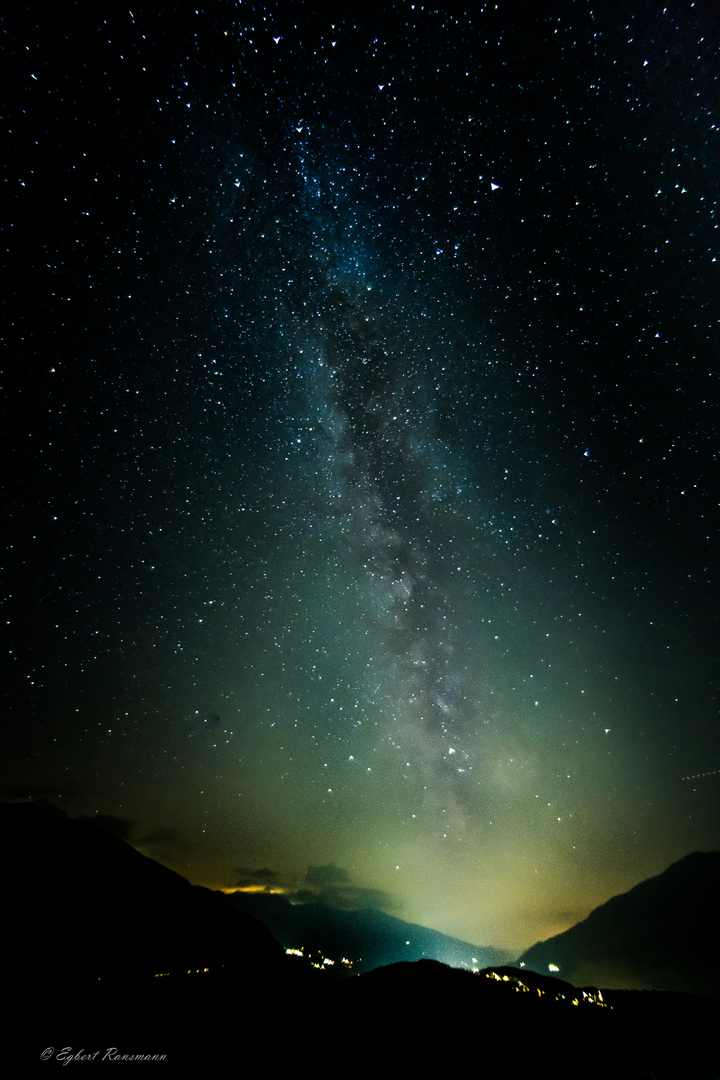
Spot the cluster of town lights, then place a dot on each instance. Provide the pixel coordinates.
(583, 997)
(324, 963)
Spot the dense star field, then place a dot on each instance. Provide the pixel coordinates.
(361, 475)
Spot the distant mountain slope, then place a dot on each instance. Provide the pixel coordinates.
(664, 934)
(369, 938)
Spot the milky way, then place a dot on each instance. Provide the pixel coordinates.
(362, 483)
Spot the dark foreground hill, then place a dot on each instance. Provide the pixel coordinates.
(368, 938)
(96, 939)
(80, 905)
(662, 935)
(516, 1023)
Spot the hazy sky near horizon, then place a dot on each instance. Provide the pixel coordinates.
(361, 413)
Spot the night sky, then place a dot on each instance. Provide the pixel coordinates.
(361, 481)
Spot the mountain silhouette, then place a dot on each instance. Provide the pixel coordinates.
(661, 935)
(108, 954)
(82, 906)
(368, 938)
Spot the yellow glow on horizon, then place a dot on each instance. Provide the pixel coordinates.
(274, 889)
